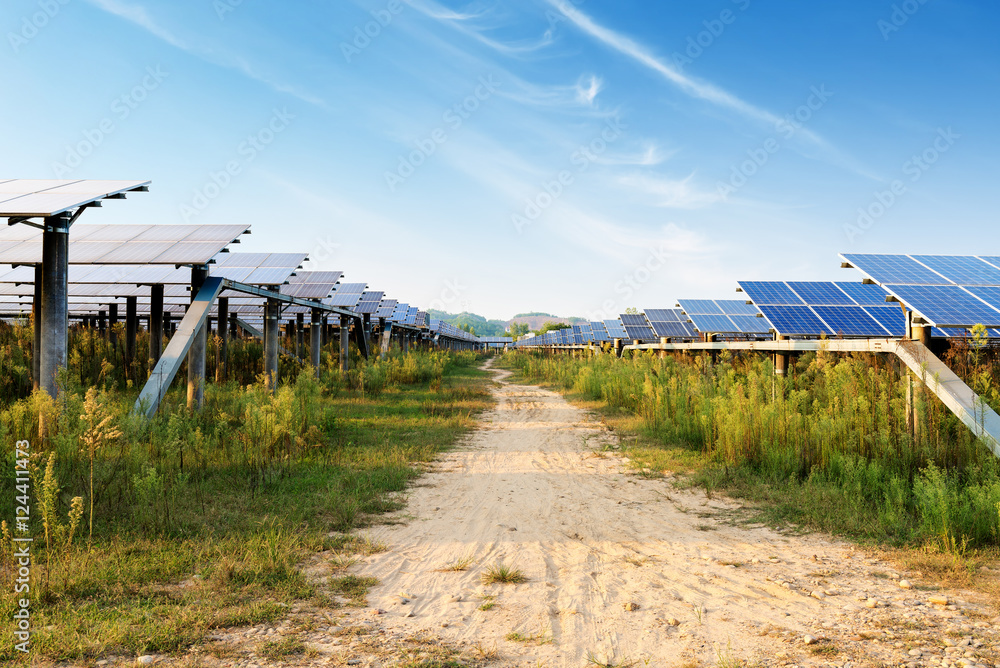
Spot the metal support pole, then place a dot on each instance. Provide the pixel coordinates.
(166, 324)
(54, 303)
(112, 321)
(155, 324)
(131, 329)
(222, 370)
(315, 339)
(36, 326)
(780, 359)
(234, 327)
(300, 325)
(196, 354)
(344, 343)
(272, 312)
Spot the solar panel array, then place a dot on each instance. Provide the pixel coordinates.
(346, 295)
(370, 301)
(447, 329)
(31, 198)
(124, 244)
(946, 290)
(814, 308)
(669, 323)
(724, 316)
(311, 284)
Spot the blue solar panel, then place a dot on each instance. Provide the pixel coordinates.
(962, 270)
(850, 321)
(895, 269)
(750, 324)
(794, 320)
(640, 333)
(990, 295)
(947, 305)
(673, 329)
(865, 293)
(714, 324)
(663, 315)
(633, 319)
(769, 292)
(736, 307)
(599, 330)
(890, 317)
(700, 306)
(615, 329)
(817, 292)
(992, 259)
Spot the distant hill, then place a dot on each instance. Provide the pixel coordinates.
(484, 327)
(536, 320)
(481, 325)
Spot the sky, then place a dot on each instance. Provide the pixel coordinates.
(577, 157)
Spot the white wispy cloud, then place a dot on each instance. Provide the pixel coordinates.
(586, 94)
(649, 156)
(466, 24)
(671, 193)
(693, 87)
(139, 16)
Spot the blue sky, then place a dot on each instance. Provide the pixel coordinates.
(572, 157)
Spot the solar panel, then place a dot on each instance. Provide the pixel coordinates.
(701, 306)
(947, 305)
(707, 322)
(850, 321)
(961, 270)
(707, 316)
(672, 329)
(369, 302)
(600, 331)
(615, 329)
(864, 293)
(662, 314)
(750, 324)
(636, 327)
(815, 292)
(311, 284)
(794, 320)
(386, 308)
(736, 307)
(118, 244)
(49, 197)
(890, 317)
(894, 269)
(769, 292)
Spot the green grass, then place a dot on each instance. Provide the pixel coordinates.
(501, 573)
(827, 447)
(280, 649)
(203, 521)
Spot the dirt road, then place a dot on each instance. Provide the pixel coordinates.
(620, 568)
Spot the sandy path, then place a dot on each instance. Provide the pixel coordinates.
(620, 568)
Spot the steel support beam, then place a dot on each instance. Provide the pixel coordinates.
(315, 339)
(222, 369)
(300, 335)
(180, 345)
(155, 323)
(112, 321)
(36, 329)
(345, 343)
(54, 303)
(272, 313)
(198, 344)
(131, 328)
